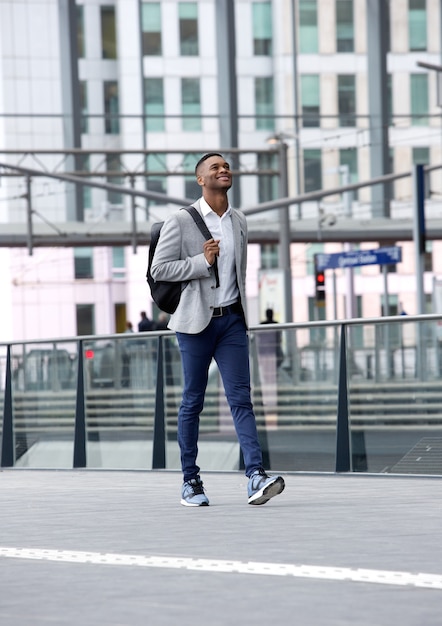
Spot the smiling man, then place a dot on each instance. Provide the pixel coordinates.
(211, 322)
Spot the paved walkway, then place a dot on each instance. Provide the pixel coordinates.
(116, 548)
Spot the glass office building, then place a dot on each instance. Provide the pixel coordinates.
(85, 85)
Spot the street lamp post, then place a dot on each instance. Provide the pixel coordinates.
(284, 232)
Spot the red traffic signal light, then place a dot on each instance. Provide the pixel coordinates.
(320, 288)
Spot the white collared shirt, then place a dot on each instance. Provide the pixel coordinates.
(221, 228)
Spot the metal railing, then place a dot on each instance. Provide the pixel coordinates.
(349, 395)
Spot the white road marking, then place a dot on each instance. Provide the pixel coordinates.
(382, 577)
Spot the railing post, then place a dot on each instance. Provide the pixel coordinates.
(80, 414)
(159, 429)
(8, 425)
(343, 454)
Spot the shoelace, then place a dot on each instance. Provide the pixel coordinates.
(197, 487)
(261, 472)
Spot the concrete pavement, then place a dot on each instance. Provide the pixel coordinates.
(116, 548)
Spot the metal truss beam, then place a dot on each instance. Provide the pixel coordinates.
(77, 234)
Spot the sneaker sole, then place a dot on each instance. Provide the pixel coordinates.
(186, 503)
(268, 492)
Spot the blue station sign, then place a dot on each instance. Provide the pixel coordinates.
(356, 258)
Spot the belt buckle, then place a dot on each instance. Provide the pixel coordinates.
(220, 309)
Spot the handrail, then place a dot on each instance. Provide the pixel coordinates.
(343, 449)
(390, 319)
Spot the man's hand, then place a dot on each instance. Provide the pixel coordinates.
(211, 250)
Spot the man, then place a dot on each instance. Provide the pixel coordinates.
(210, 322)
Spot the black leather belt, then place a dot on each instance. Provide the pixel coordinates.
(219, 311)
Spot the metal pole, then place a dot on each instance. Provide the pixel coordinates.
(227, 86)
(159, 432)
(387, 326)
(7, 450)
(284, 233)
(350, 307)
(296, 107)
(419, 234)
(419, 248)
(377, 102)
(133, 208)
(29, 213)
(80, 414)
(343, 448)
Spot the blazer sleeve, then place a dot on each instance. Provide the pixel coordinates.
(177, 255)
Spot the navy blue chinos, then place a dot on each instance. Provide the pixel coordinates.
(225, 340)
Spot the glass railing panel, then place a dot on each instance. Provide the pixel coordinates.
(43, 383)
(294, 393)
(395, 399)
(120, 388)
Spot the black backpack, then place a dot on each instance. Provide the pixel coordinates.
(166, 295)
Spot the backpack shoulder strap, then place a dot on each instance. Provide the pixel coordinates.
(205, 232)
(199, 221)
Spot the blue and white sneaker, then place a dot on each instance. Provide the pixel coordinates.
(262, 487)
(192, 493)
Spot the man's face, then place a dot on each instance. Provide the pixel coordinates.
(214, 173)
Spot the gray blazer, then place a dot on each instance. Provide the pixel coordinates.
(179, 257)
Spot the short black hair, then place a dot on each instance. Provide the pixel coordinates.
(207, 156)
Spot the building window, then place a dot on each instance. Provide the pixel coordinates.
(151, 28)
(118, 263)
(344, 26)
(85, 314)
(191, 187)
(269, 256)
(264, 103)
(84, 119)
(154, 104)
(83, 263)
(262, 28)
(417, 24)
(347, 100)
(156, 163)
(111, 107)
(81, 50)
(349, 157)
(188, 16)
(108, 33)
(312, 170)
(310, 100)
(113, 164)
(308, 26)
(419, 99)
(267, 183)
(191, 103)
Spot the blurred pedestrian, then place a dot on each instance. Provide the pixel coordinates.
(145, 323)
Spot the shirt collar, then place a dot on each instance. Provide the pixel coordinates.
(207, 210)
